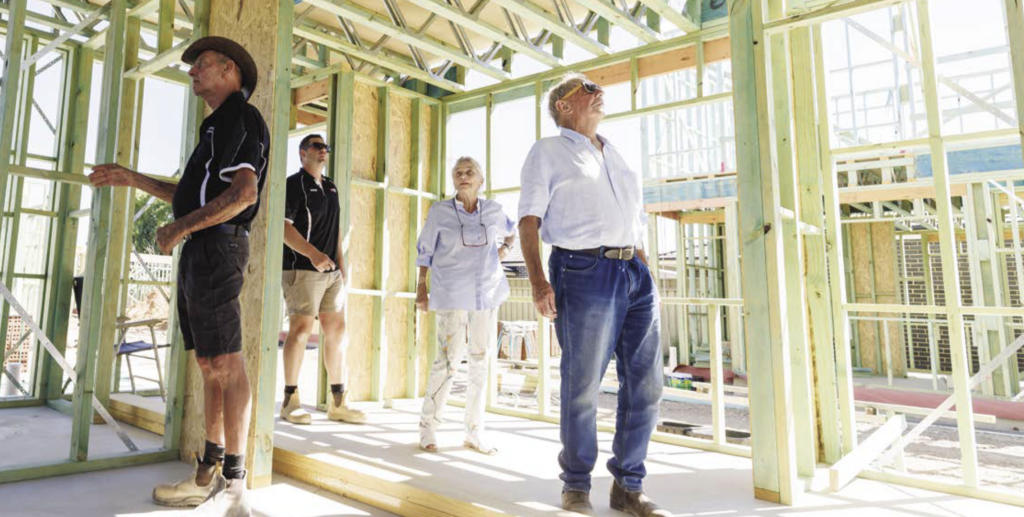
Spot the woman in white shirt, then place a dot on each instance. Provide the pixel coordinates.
(459, 245)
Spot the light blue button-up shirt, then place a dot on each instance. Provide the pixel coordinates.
(464, 277)
(584, 197)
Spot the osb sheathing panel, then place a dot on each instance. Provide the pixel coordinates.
(364, 132)
(886, 289)
(361, 252)
(396, 311)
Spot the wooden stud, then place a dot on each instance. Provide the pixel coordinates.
(812, 213)
(99, 230)
(764, 269)
(717, 375)
(834, 242)
(733, 288)
(412, 369)
(796, 312)
(165, 26)
(379, 352)
(951, 282)
(119, 215)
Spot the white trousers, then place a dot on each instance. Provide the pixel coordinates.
(457, 332)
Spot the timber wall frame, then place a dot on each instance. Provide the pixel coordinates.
(788, 196)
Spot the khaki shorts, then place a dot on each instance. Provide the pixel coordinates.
(308, 293)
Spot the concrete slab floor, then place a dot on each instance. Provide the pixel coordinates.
(126, 493)
(522, 479)
(40, 434)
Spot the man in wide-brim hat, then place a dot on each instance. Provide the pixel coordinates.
(214, 205)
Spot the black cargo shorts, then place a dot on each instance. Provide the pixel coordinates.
(210, 272)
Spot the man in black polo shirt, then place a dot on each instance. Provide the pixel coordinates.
(214, 204)
(313, 281)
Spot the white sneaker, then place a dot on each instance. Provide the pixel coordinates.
(343, 413)
(232, 501)
(186, 493)
(294, 413)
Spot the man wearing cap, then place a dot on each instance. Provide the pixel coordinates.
(214, 204)
(313, 281)
(587, 204)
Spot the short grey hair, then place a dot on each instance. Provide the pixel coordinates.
(566, 83)
(472, 163)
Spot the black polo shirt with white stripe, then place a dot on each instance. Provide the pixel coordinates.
(313, 210)
(233, 137)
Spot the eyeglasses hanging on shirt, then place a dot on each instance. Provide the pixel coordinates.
(475, 237)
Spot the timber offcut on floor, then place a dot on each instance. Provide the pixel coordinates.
(380, 464)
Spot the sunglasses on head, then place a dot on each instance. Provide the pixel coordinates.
(319, 146)
(587, 86)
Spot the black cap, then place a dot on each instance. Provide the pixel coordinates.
(232, 50)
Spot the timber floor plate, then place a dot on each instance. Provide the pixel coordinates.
(380, 463)
(126, 493)
(40, 434)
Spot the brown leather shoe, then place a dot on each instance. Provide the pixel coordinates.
(634, 503)
(577, 501)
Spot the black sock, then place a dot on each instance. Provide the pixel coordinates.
(336, 391)
(213, 454)
(234, 466)
(288, 392)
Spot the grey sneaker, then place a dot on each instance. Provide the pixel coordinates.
(232, 501)
(577, 501)
(186, 493)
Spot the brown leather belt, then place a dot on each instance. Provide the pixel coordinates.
(626, 253)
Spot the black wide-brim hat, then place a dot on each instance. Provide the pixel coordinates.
(229, 48)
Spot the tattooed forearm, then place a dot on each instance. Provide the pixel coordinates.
(242, 193)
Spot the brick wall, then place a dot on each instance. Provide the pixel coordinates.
(915, 288)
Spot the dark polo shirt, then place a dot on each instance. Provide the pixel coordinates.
(233, 137)
(314, 211)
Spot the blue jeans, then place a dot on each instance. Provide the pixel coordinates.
(606, 306)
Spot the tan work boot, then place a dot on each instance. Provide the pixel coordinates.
(232, 501)
(634, 503)
(186, 493)
(577, 501)
(342, 412)
(293, 412)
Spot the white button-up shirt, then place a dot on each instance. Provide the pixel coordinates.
(584, 197)
(464, 277)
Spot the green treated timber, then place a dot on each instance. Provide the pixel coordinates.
(379, 353)
(93, 294)
(835, 257)
(388, 63)
(764, 270)
(947, 243)
(377, 23)
(1015, 30)
(26, 87)
(604, 31)
(799, 346)
(74, 130)
(413, 319)
(45, 470)
(165, 25)
(261, 435)
(122, 210)
(13, 48)
(623, 20)
(21, 403)
(532, 13)
(340, 123)
(815, 276)
(673, 16)
(176, 355)
(473, 22)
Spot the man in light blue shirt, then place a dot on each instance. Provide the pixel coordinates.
(588, 205)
